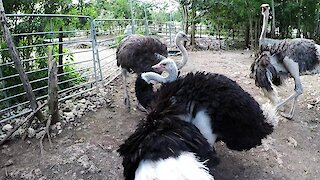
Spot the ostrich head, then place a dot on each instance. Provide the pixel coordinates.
(167, 65)
(181, 37)
(265, 8)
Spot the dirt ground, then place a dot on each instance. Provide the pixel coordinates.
(86, 149)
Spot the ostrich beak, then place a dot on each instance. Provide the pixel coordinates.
(158, 66)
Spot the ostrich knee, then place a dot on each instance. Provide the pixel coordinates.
(272, 96)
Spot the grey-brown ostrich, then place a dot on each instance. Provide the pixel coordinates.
(137, 53)
(279, 59)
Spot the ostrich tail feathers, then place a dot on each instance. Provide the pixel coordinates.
(270, 113)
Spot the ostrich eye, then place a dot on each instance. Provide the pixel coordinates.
(164, 64)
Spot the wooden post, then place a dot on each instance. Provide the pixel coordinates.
(16, 59)
(53, 88)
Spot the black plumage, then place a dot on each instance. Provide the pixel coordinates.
(136, 53)
(261, 68)
(235, 116)
(161, 137)
(144, 92)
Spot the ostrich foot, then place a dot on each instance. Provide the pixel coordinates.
(283, 111)
(141, 108)
(287, 116)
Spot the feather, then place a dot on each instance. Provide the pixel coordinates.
(137, 53)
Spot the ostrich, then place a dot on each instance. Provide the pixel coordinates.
(164, 147)
(136, 54)
(280, 59)
(215, 104)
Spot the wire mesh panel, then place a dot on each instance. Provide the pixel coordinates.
(70, 40)
(108, 34)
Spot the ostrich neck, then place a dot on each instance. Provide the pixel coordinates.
(152, 76)
(184, 58)
(264, 27)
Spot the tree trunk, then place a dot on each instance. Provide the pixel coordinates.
(52, 88)
(256, 33)
(233, 34)
(247, 36)
(317, 28)
(273, 27)
(185, 20)
(16, 59)
(219, 36)
(193, 26)
(251, 32)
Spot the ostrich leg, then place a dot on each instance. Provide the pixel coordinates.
(126, 96)
(293, 69)
(272, 95)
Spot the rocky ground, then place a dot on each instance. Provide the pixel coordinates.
(85, 141)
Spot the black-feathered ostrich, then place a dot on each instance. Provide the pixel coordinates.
(164, 147)
(279, 59)
(215, 104)
(137, 53)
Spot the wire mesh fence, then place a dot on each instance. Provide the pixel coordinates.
(34, 35)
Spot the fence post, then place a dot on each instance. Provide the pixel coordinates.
(146, 31)
(132, 17)
(16, 59)
(52, 88)
(94, 50)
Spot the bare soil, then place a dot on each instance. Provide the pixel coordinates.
(86, 149)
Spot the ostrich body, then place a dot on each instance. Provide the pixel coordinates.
(136, 54)
(218, 106)
(283, 58)
(164, 147)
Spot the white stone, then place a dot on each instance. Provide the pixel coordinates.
(31, 132)
(83, 101)
(292, 142)
(309, 106)
(84, 161)
(7, 127)
(2, 136)
(40, 134)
